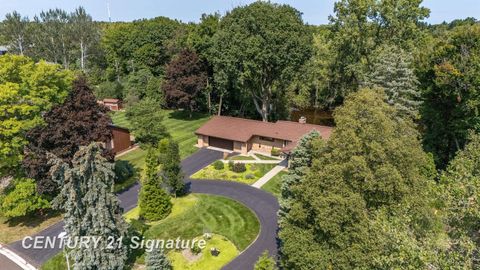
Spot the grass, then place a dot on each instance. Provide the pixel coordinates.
(275, 184)
(178, 123)
(207, 261)
(180, 126)
(250, 176)
(212, 214)
(240, 157)
(17, 228)
(57, 262)
(263, 157)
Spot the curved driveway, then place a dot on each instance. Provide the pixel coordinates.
(262, 203)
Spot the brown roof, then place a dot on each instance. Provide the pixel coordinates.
(240, 129)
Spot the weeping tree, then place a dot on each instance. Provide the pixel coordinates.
(156, 260)
(91, 208)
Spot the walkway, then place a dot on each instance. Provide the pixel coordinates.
(262, 203)
(269, 175)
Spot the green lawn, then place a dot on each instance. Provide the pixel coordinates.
(263, 157)
(207, 261)
(250, 176)
(57, 262)
(240, 157)
(178, 123)
(212, 214)
(275, 184)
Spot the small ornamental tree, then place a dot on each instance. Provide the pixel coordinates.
(79, 121)
(146, 118)
(265, 262)
(153, 200)
(185, 78)
(156, 260)
(91, 208)
(171, 168)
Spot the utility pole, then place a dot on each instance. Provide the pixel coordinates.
(108, 10)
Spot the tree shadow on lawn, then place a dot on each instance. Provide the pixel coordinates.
(32, 220)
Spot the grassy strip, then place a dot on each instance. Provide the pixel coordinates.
(17, 228)
(251, 175)
(275, 184)
(242, 158)
(263, 157)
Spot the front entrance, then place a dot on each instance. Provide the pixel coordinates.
(220, 143)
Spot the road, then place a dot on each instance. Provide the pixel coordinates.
(262, 203)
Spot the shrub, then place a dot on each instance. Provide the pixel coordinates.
(123, 171)
(218, 165)
(253, 167)
(230, 165)
(275, 152)
(239, 167)
(196, 249)
(249, 176)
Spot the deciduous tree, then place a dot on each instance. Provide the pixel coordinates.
(259, 47)
(22, 199)
(27, 90)
(79, 121)
(346, 209)
(185, 79)
(265, 262)
(146, 118)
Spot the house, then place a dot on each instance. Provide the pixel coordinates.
(121, 139)
(112, 103)
(245, 135)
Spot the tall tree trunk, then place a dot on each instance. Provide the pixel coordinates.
(262, 109)
(209, 97)
(82, 55)
(220, 105)
(20, 45)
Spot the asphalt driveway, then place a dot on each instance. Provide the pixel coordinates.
(262, 203)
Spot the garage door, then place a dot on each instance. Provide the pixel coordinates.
(220, 143)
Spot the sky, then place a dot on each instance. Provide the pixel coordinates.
(314, 11)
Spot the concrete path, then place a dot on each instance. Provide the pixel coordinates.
(253, 161)
(269, 175)
(12, 261)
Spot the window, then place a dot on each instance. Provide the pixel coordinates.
(268, 139)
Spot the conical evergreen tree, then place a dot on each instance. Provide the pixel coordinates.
(91, 208)
(171, 167)
(300, 160)
(391, 70)
(156, 260)
(154, 202)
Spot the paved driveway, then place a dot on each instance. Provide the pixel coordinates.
(262, 203)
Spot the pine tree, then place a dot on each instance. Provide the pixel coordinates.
(171, 167)
(300, 160)
(156, 260)
(391, 71)
(265, 262)
(154, 202)
(91, 208)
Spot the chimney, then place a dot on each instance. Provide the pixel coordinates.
(302, 120)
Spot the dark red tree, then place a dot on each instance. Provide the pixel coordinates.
(79, 121)
(185, 78)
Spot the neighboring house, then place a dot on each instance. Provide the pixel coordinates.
(112, 103)
(121, 139)
(244, 135)
(3, 50)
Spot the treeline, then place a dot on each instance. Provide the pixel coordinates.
(262, 61)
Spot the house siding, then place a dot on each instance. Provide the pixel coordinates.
(257, 144)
